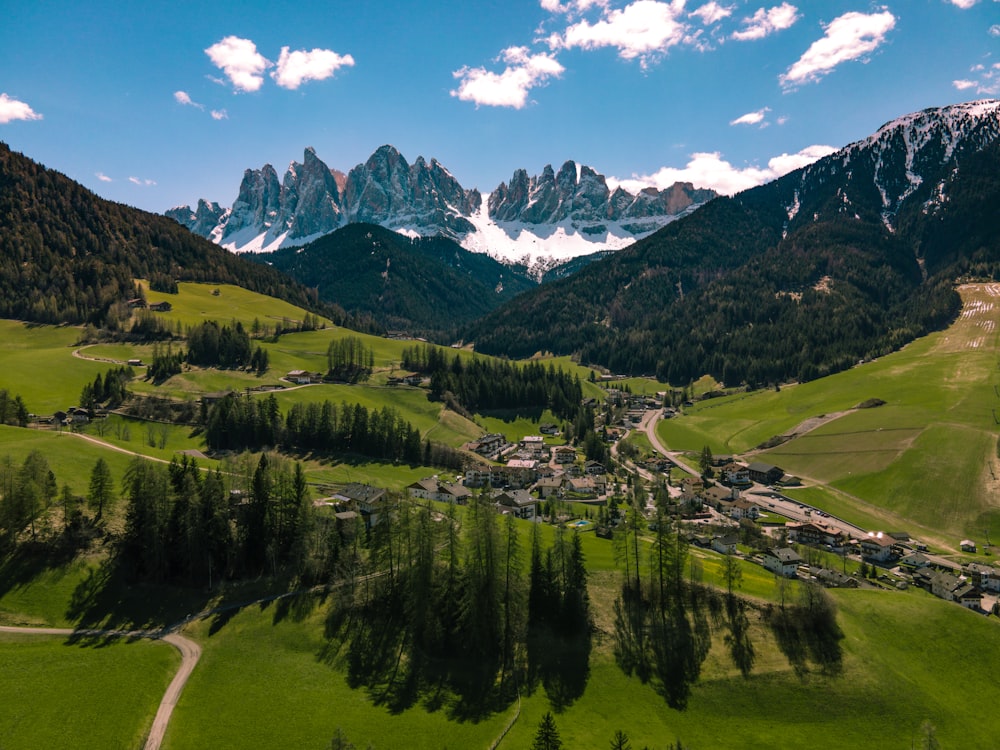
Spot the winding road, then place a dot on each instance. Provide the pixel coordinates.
(190, 653)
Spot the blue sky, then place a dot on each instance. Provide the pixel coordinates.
(157, 104)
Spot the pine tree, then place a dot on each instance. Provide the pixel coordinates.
(547, 735)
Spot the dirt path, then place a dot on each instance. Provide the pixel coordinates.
(190, 653)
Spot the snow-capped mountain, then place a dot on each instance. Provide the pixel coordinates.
(915, 155)
(539, 221)
(845, 259)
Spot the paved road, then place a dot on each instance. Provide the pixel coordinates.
(190, 653)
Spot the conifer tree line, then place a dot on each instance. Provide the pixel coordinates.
(109, 390)
(13, 410)
(481, 384)
(446, 602)
(242, 423)
(182, 524)
(212, 345)
(349, 359)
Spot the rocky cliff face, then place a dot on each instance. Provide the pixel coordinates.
(580, 195)
(552, 216)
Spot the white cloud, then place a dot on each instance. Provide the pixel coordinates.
(142, 183)
(963, 4)
(766, 22)
(240, 61)
(509, 88)
(182, 97)
(102, 177)
(712, 12)
(994, 30)
(782, 120)
(710, 170)
(12, 109)
(219, 114)
(642, 29)
(752, 118)
(848, 37)
(294, 68)
(987, 83)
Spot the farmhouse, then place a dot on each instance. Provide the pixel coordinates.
(764, 473)
(877, 546)
(967, 545)
(735, 473)
(814, 534)
(489, 444)
(782, 561)
(564, 454)
(367, 499)
(434, 489)
(299, 377)
(548, 486)
(725, 545)
(517, 502)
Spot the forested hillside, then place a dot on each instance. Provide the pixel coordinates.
(67, 256)
(423, 285)
(847, 259)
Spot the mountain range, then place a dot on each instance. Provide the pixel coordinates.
(848, 258)
(538, 221)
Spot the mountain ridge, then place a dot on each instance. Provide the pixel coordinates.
(844, 259)
(538, 221)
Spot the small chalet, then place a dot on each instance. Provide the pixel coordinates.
(548, 486)
(764, 473)
(368, 500)
(489, 444)
(517, 502)
(593, 467)
(299, 377)
(833, 579)
(814, 534)
(720, 498)
(743, 508)
(160, 306)
(581, 486)
(735, 473)
(877, 546)
(782, 561)
(725, 545)
(548, 428)
(564, 454)
(445, 492)
(984, 576)
(968, 596)
(915, 561)
(521, 472)
(967, 545)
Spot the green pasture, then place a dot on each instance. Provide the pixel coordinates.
(37, 362)
(70, 457)
(196, 303)
(290, 687)
(268, 678)
(58, 695)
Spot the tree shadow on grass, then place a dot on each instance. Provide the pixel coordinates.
(372, 644)
(22, 567)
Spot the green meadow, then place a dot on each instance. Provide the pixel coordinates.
(926, 459)
(99, 696)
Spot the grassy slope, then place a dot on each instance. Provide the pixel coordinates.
(60, 695)
(926, 460)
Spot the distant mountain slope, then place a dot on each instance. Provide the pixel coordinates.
(536, 221)
(848, 258)
(420, 285)
(67, 255)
